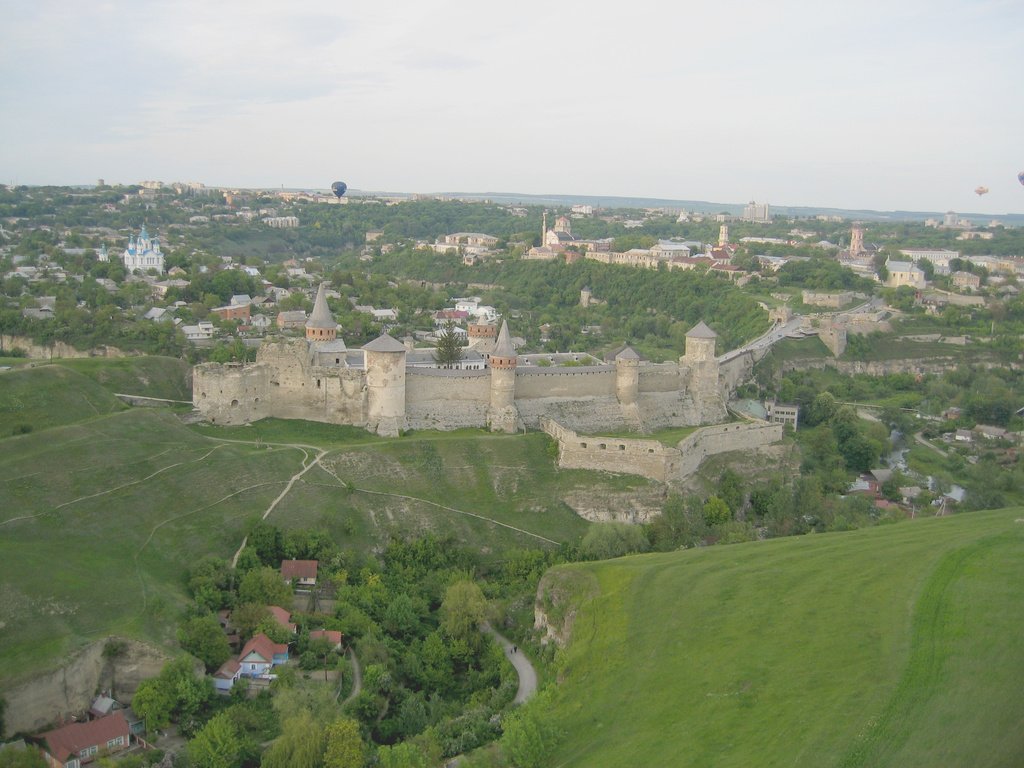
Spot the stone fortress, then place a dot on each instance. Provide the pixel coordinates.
(319, 379)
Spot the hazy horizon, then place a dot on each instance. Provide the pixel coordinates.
(877, 106)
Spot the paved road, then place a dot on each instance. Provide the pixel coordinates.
(527, 674)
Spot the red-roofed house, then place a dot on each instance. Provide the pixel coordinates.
(75, 744)
(332, 635)
(300, 572)
(282, 617)
(260, 654)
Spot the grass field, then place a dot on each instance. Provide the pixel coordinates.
(99, 519)
(73, 390)
(892, 646)
(49, 396)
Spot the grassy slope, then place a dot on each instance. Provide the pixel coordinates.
(74, 390)
(115, 508)
(49, 396)
(114, 511)
(151, 376)
(894, 646)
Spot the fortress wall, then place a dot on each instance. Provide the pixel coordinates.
(708, 441)
(669, 409)
(665, 377)
(648, 458)
(736, 371)
(651, 459)
(587, 414)
(232, 393)
(436, 399)
(592, 381)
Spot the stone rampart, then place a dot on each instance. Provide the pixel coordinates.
(651, 458)
(589, 381)
(443, 399)
(286, 381)
(722, 438)
(648, 458)
(666, 377)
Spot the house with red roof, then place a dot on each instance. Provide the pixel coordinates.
(261, 654)
(299, 572)
(282, 617)
(331, 635)
(77, 744)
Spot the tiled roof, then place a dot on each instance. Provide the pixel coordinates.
(299, 569)
(263, 647)
(69, 740)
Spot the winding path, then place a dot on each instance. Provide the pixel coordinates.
(357, 678)
(527, 674)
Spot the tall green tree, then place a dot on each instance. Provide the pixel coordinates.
(216, 745)
(345, 748)
(449, 347)
(203, 637)
(463, 610)
(300, 745)
(265, 587)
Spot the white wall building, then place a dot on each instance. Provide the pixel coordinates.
(143, 253)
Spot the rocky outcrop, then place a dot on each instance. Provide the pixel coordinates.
(39, 701)
(55, 350)
(560, 594)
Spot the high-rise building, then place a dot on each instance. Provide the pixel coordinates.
(757, 212)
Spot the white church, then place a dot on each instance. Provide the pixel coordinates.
(143, 253)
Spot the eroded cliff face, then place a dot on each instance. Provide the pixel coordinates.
(44, 699)
(560, 594)
(56, 349)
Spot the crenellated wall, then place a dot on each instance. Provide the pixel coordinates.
(387, 396)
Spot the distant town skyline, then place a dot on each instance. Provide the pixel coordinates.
(908, 105)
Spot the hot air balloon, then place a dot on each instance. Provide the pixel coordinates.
(1020, 177)
(338, 188)
(979, 191)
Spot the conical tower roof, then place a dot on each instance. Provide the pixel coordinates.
(627, 353)
(321, 317)
(701, 331)
(503, 346)
(385, 343)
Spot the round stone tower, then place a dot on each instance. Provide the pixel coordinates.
(503, 416)
(627, 376)
(482, 337)
(321, 325)
(385, 386)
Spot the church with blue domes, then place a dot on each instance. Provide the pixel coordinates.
(143, 253)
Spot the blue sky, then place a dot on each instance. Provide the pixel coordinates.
(898, 104)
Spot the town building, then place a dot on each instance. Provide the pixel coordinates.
(904, 273)
(756, 212)
(143, 253)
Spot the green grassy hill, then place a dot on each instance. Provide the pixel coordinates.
(891, 646)
(169, 378)
(99, 520)
(48, 396)
(70, 391)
